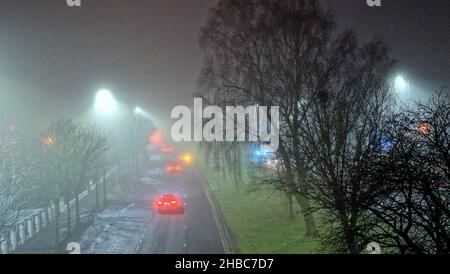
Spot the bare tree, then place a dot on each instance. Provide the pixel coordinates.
(73, 154)
(412, 174)
(341, 126)
(257, 52)
(16, 171)
(91, 151)
(286, 54)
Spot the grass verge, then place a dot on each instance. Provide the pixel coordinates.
(258, 219)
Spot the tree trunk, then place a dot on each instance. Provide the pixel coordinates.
(289, 206)
(310, 223)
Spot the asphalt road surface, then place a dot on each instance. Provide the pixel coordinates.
(131, 225)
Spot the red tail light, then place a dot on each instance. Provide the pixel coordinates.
(173, 202)
(160, 203)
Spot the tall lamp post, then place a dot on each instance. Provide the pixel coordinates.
(139, 113)
(105, 104)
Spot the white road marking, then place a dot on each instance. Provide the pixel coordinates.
(126, 208)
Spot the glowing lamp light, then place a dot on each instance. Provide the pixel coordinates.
(400, 84)
(386, 144)
(424, 128)
(260, 153)
(258, 156)
(104, 101)
(49, 141)
(138, 111)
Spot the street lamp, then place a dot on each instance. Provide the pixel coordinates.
(138, 111)
(49, 141)
(139, 114)
(104, 101)
(424, 128)
(402, 89)
(400, 84)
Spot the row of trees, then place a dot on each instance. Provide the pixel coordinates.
(35, 171)
(343, 148)
(16, 170)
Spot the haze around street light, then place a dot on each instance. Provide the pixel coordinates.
(105, 102)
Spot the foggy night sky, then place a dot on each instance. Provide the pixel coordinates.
(54, 58)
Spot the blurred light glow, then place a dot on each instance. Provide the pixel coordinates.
(138, 111)
(400, 84)
(424, 128)
(49, 140)
(142, 113)
(260, 153)
(167, 149)
(186, 158)
(104, 101)
(155, 138)
(259, 156)
(386, 144)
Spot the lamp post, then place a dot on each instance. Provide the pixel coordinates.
(139, 113)
(105, 104)
(401, 85)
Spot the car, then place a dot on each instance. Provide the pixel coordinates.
(170, 204)
(167, 149)
(174, 168)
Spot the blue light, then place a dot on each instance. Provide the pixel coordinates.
(258, 156)
(386, 144)
(260, 153)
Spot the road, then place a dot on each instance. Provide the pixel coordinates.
(131, 225)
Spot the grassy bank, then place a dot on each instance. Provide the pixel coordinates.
(259, 220)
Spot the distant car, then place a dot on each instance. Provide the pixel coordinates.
(174, 168)
(170, 204)
(167, 149)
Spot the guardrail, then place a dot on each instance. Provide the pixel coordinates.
(29, 226)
